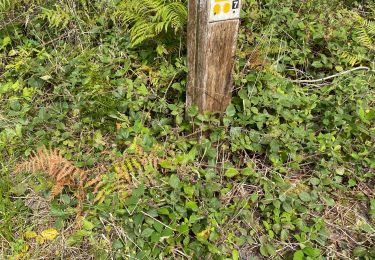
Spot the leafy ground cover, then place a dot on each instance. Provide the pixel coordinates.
(286, 173)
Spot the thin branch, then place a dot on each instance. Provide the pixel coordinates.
(333, 76)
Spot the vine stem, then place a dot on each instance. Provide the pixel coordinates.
(333, 76)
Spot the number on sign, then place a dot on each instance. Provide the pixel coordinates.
(235, 4)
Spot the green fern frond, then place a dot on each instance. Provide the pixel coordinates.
(57, 18)
(7, 5)
(149, 19)
(141, 31)
(126, 174)
(351, 59)
(364, 30)
(4, 5)
(365, 39)
(370, 26)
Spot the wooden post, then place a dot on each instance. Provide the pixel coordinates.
(212, 37)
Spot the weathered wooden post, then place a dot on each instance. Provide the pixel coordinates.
(212, 37)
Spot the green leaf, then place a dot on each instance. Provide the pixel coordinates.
(352, 183)
(87, 225)
(270, 249)
(287, 207)
(254, 197)
(298, 255)
(193, 111)
(19, 189)
(329, 201)
(183, 229)
(314, 181)
(155, 237)
(189, 190)
(231, 110)
(5, 42)
(117, 244)
(192, 205)
(304, 196)
(163, 211)
(267, 250)
(174, 181)
(312, 252)
(65, 199)
(231, 172)
(360, 251)
(247, 171)
(158, 226)
(166, 164)
(317, 64)
(235, 254)
(147, 232)
(340, 171)
(367, 228)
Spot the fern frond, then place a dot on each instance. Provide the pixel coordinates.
(364, 30)
(351, 59)
(4, 5)
(57, 18)
(140, 32)
(125, 175)
(370, 26)
(365, 39)
(148, 19)
(60, 170)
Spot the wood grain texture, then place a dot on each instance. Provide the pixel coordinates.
(220, 55)
(211, 51)
(191, 47)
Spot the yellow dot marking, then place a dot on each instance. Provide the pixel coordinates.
(217, 9)
(226, 8)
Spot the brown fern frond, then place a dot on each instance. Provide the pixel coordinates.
(63, 174)
(60, 170)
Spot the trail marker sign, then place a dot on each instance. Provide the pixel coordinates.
(212, 38)
(222, 10)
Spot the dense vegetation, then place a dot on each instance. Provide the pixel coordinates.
(287, 172)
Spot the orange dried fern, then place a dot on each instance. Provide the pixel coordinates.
(60, 170)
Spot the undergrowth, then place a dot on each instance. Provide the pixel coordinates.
(286, 173)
